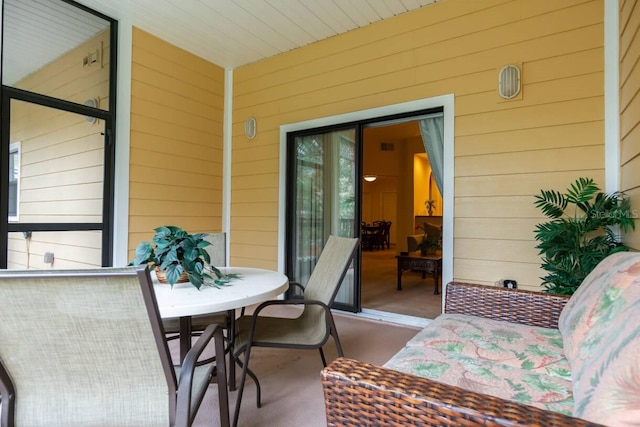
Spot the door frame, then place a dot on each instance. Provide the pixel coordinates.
(446, 102)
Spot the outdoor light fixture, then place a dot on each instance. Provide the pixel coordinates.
(509, 82)
(91, 102)
(370, 178)
(250, 126)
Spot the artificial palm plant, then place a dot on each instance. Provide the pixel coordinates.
(583, 230)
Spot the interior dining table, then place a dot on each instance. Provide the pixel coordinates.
(183, 300)
(371, 236)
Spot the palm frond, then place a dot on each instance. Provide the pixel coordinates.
(552, 203)
(582, 191)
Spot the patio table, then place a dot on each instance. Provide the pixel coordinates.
(254, 285)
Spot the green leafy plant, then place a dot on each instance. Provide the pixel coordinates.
(430, 205)
(581, 232)
(430, 241)
(174, 252)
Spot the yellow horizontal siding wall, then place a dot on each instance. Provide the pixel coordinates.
(177, 102)
(61, 164)
(66, 77)
(630, 110)
(505, 151)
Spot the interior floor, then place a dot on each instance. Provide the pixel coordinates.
(379, 282)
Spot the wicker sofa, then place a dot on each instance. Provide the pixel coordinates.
(474, 364)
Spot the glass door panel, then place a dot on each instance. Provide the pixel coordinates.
(56, 188)
(322, 194)
(54, 249)
(57, 168)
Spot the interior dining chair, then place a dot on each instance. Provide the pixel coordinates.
(312, 328)
(87, 347)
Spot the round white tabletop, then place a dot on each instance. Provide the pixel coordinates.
(254, 285)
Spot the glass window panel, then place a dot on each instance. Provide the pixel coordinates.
(61, 167)
(56, 49)
(54, 249)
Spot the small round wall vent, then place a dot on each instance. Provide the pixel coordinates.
(509, 82)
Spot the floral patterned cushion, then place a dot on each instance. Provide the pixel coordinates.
(525, 347)
(602, 341)
(484, 376)
(581, 311)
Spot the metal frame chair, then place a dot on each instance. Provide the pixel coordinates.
(87, 347)
(311, 330)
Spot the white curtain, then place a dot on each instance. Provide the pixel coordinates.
(432, 131)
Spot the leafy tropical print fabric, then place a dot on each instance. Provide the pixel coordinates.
(511, 361)
(526, 347)
(483, 376)
(578, 316)
(602, 340)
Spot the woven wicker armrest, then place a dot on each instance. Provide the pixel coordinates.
(511, 305)
(361, 394)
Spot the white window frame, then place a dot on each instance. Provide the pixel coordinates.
(15, 148)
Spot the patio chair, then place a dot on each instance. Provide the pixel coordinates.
(312, 328)
(87, 347)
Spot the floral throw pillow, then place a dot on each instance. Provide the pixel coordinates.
(602, 342)
(584, 309)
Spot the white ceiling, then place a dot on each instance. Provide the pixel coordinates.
(35, 32)
(229, 33)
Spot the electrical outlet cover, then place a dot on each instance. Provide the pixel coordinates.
(509, 283)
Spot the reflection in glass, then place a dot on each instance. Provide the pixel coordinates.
(324, 197)
(61, 165)
(54, 249)
(56, 49)
(14, 180)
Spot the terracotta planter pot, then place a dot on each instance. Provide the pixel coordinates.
(162, 278)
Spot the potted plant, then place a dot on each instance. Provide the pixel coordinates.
(581, 232)
(178, 256)
(430, 205)
(430, 242)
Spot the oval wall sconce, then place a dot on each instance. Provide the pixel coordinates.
(509, 81)
(370, 178)
(250, 127)
(91, 102)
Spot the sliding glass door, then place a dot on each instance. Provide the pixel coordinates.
(321, 200)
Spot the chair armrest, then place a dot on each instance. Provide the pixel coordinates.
(358, 393)
(295, 291)
(266, 304)
(511, 305)
(185, 382)
(8, 392)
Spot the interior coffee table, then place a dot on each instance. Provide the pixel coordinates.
(427, 264)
